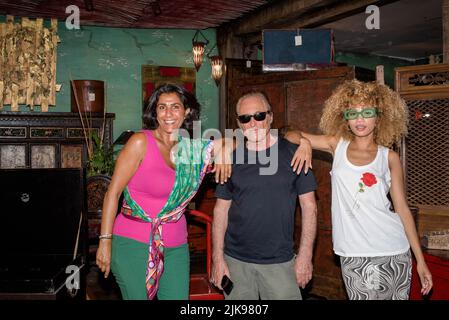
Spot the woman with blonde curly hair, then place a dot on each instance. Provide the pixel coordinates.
(360, 122)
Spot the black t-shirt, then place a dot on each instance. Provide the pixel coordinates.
(261, 217)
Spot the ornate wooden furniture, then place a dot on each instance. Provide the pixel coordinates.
(46, 140)
(43, 234)
(53, 140)
(425, 150)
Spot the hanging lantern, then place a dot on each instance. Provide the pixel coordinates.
(198, 53)
(216, 63)
(198, 49)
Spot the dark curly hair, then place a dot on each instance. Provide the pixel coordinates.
(188, 100)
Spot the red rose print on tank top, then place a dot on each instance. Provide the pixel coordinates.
(367, 180)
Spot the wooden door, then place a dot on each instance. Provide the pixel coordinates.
(297, 99)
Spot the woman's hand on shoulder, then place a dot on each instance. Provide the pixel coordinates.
(302, 157)
(223, 149)
(307, 142)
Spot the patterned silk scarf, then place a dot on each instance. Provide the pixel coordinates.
(192, 162)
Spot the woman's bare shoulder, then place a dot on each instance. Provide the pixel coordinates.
(136, 143)
(138, 138)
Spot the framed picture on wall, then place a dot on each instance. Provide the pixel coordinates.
(154, 76)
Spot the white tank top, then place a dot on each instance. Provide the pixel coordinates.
(363, 223)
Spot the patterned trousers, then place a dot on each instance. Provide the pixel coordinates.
(377, 278)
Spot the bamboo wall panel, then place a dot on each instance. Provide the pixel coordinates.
(28, 63)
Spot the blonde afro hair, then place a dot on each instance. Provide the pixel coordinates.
(392, 115)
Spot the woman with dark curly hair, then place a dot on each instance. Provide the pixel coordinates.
(360, 122)
(145, 246)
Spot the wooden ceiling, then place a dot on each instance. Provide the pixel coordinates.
(410, 29)
(183, 14)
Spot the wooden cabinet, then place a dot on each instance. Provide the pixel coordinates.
(46, 140)
(297, 99)
(53, 140)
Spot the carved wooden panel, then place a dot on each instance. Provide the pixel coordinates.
(71, 156)
(12, 156)
(425, 150)
(430, 79)
(46, 140)
(13, 132)
(43, 156)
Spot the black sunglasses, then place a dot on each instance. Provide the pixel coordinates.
(258, 116)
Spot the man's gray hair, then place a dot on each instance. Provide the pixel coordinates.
(257, 94)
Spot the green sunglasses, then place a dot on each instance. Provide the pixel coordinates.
(352, 114)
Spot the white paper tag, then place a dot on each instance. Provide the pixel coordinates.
(298, 40)
(91, 96)
(248, 63)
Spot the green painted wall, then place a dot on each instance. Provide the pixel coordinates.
(116, 55)
(370, 62)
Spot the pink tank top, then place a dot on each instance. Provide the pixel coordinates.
(150, 187)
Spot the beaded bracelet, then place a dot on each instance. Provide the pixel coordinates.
(105, 236)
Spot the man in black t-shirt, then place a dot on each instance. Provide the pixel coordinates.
(254, 214)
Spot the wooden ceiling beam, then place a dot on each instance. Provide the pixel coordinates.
(301, 18)
(278, 11)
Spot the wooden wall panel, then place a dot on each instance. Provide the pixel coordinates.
(305, 100)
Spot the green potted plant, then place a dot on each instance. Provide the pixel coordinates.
(101, 158)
